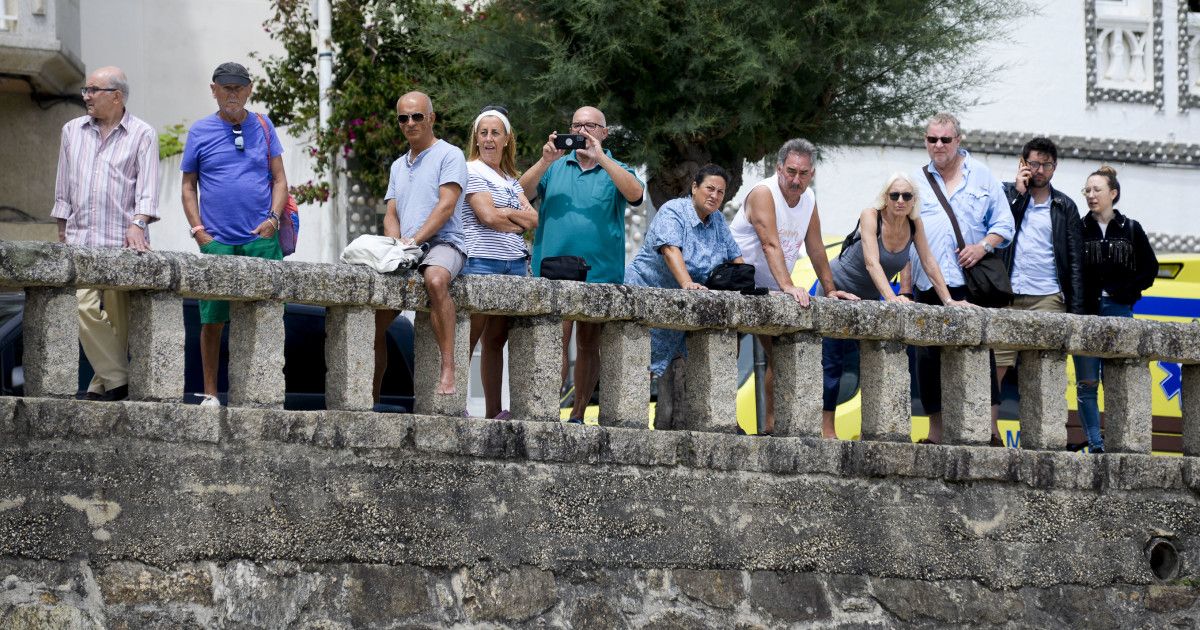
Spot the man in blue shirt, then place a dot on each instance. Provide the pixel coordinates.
(1045, 260)
(582, 213)
(424, 192)
(233, 156)
(985, 220)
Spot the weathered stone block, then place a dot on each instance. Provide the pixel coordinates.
(349, 357)
(8, 416)
(32, 263)
(256, 338)
(51, 419)
(427, 365)
(401, 290)
(172, 423)
(327, 284)
(51, 331)
(511, 596)
(126, 269)
(860, 320)
(535, 360)
(504, 295)
(789, 597)
(716, 588)
(1127, 406)
(377, 595)
(593, 302)
(231, 277)
(624, 374)
(798, 384)
(710, 374)
(966, 395)
(134, 584)
(686, 310)
(1026, 330)
(1190, 406)
(884, 378)
(773, 314)
(1042, 376)
(1176, 342)
(928, 325)
(1102, 336)
(156, 353)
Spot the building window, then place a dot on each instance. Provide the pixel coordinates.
(1124, 51)
(8, 16)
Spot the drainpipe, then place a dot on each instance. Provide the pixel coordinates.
(337, 222)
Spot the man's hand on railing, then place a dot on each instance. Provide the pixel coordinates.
(800, 295)
(843, 295)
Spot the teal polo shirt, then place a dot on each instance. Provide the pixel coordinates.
(582, 214)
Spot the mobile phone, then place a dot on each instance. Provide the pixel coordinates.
(570, 141)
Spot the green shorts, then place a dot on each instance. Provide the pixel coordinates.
(217, 311)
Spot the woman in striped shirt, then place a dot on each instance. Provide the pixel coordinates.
(495, 214)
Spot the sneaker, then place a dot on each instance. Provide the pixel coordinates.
(574, 421)
(503, 415)
(209, 401)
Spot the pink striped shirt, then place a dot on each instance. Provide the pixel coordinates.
(102, 184)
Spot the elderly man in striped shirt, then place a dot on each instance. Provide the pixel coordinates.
(105, 195)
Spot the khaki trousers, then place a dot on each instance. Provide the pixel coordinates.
(1044, 303)
(104, 334)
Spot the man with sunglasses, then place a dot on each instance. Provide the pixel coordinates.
(233, 158)
(584, 194)
(425, 188)
(986, 222)
(1045, 260)
(105, 194)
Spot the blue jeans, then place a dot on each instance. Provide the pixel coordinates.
(494, 267)
(833, 363)
(1091, 369)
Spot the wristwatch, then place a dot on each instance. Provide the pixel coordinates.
(140, 223)
(988, 247)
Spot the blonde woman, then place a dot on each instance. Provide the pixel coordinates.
(877, 251)
(495, 213)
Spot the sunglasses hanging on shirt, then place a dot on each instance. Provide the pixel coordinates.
(238, 140)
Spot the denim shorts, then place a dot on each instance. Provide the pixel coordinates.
(495, 267)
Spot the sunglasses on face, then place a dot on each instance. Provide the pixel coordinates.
(897, 196)
(935, 139)
(417, 117)
(238, 140)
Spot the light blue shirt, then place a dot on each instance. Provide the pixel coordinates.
(704, 244)
(1034, 271)
(981, 209)
(414, 185)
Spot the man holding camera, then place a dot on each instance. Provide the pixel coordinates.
(584, 193)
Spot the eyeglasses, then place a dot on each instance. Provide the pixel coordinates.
(1037, 166)
(238, 140)
(91, 91)
(417, 117)
(935, 139)
(1094, 189)
(590, 126)
(896, 196)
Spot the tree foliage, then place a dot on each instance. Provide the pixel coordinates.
(682, 82)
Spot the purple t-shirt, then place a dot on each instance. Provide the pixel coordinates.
(235, 185)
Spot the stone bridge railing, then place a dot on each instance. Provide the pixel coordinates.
(50, 273)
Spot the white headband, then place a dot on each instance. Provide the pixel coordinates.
(492, 112)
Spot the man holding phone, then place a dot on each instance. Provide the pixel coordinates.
(583, 195)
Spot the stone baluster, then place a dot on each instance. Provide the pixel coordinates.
(1042, 378)
(624, 375)
(886, 399)
(256, 337)
(349, 357)
(1127, 406)
(710, 381)
(798, 384)
(156, 341)
(535, 367)
(1191, 409)
(966, 395)
(51, 331)
(427, 363)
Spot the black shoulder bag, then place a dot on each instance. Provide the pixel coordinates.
(987, 281)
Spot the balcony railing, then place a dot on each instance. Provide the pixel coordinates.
(50, 273)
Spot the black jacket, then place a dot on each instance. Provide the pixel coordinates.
(1120, 261)
(1066, 233)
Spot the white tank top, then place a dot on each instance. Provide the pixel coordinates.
(792, 223)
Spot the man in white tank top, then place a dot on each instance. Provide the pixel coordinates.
(777, 222)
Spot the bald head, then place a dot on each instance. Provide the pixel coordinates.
(414, 102)
(110, 77)
(589, 114)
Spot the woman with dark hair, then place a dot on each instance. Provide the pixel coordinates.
(1118, 264)
(495, 212)
(687, 239)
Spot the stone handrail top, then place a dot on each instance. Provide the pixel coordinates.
(36, 264)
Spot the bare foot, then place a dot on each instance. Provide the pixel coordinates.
(446, 384)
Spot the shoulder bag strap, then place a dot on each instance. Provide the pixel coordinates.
(945, 205)
(266, 133)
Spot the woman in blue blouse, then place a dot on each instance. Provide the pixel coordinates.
(687, 239)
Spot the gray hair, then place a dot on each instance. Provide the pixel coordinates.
(121, 84)
(796, 145)
(946, 118)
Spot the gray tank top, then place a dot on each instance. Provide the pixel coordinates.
(850, 270)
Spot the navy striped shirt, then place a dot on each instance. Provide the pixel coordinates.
(483, 241)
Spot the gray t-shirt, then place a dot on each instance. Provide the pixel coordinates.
(414, 185)
(850, 269)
